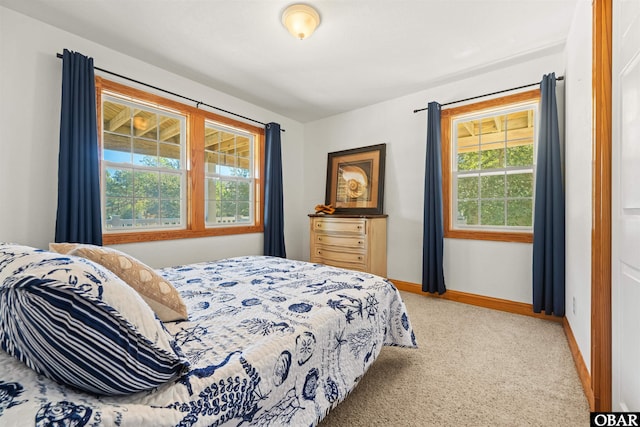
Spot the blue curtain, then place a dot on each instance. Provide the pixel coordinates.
(273, 200)
(433, 230)
(78, 217)
(548, 222)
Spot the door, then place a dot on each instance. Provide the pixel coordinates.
(625, 250)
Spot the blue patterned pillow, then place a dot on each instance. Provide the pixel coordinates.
(79, 324)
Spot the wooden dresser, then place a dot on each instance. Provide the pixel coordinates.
(357, 242)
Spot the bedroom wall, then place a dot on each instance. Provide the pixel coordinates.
(495, 269)
(30, 76)
(578, 178)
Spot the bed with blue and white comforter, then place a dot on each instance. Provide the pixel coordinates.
(271, 342)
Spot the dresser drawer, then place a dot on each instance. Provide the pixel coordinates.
(332, 257)
(357, 226)
(354, 242)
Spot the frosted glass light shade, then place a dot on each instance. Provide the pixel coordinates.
(301, 20)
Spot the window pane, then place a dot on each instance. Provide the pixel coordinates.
(520, 212)
(492, 186)
(145, 124)
(228, 212)
(468, 161)
(118, 182)
(210, 161)
(492, 158)
(170, 212)
(492, 212)
(520, 185)
(521, 155)
(146, 213)
(169, 156)
(468, 187)
(244, 212)
(145, 153)
(212, 207)
(244, 191)
(119, 212)
(170, 130)
(116, 148)
(116, 118)
(169, 186)
(467, 133)
(467, 213)
(146, 184)
(228, 190)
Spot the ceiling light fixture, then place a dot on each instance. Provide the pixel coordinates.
(301, 20)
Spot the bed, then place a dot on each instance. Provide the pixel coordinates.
(267, 341)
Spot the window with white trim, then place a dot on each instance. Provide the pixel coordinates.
(490, 168)
(174, 171)
(143, 166)
(229, 194)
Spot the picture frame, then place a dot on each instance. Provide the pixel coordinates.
(355, 180)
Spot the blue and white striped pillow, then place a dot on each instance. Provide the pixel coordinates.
(77, 323)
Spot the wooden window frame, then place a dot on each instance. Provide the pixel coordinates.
(446, 119)
(195, 222)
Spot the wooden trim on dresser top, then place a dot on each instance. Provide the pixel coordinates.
(516, 308)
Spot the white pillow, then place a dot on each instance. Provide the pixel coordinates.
(76, 322)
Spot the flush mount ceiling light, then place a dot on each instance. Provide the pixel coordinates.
(301, 20)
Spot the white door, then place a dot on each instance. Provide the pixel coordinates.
(625, 193)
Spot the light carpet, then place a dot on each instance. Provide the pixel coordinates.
(474, 367)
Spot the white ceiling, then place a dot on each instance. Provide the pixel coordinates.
(363, 52)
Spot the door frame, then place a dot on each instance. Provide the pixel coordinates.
(601, 216)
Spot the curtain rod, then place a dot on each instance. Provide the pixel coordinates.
(487, 94)
(198, 103)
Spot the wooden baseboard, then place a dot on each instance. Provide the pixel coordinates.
(479, 300)
(581, 367)
(517, 308)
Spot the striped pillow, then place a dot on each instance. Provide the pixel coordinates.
(77, 323)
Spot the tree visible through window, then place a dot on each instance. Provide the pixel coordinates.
(489, 165)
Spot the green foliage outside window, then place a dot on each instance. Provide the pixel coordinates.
(488, 195)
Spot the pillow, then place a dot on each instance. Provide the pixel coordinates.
(77, 323)
(161, 296)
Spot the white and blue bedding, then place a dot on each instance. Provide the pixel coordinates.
(270, 342)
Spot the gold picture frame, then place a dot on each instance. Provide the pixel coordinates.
(355, 180)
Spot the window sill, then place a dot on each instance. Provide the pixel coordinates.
(152, 236)
(497, 236)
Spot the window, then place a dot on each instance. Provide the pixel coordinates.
(173, 171)
(228, 174)
(489, 167)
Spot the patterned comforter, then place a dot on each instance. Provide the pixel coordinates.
(271, 342)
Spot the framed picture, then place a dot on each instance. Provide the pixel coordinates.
(355, 180)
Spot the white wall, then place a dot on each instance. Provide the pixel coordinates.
(495, 269)
(30, 81)
(578, 177)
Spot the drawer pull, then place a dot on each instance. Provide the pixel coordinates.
(359, 227)
(360, 258)
(319, 239)
(360, 242)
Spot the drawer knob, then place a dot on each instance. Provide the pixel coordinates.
(360, 242)
(359, 227)
(319, 239)
(360, 258)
